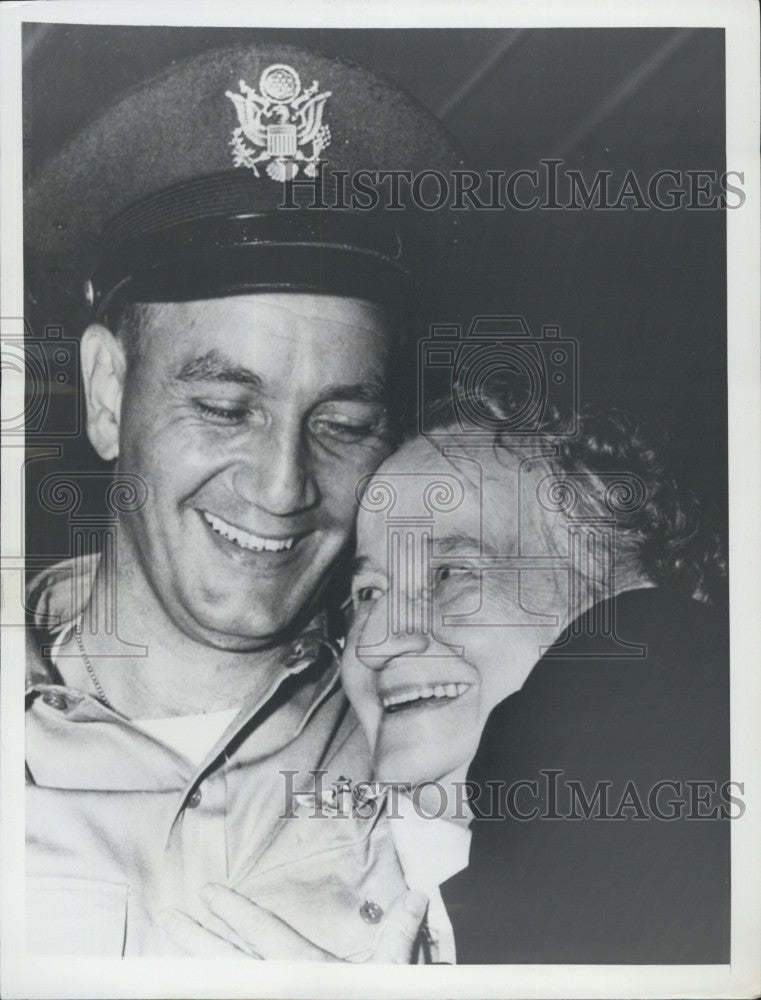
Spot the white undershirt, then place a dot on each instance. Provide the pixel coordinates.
(430, 851)
(193, 736)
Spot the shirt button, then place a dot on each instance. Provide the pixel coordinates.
(55, 700)
(195, 799)
(370, 912)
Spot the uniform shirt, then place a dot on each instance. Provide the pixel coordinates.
(121, 826)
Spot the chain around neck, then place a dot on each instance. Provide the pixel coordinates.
(88, 663)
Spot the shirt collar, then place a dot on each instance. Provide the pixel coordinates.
(307, 676)
(59, 595)
(430, 849)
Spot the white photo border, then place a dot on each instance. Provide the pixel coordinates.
(35, 976)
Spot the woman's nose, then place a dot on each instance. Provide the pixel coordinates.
(398, 625)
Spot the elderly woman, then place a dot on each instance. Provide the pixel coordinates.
(561, 577)
(538, 601)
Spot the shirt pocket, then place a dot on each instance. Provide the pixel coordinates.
(76, 916)
(337, 896)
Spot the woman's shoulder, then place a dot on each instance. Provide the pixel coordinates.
(646, 662)
(648, 635)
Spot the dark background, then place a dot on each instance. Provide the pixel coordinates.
(644, 292)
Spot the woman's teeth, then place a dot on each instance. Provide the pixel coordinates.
(391, 702)
(246, 540)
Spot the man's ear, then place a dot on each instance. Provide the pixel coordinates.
(103, 369)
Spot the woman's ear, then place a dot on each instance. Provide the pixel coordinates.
(103, 369)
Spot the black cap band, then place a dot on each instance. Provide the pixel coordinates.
(172, 248)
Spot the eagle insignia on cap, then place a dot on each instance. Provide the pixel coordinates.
(278, 123)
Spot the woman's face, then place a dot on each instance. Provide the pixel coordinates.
(450, 611)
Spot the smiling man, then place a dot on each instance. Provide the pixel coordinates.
(236, 363)
(276, 403)
(249, 457)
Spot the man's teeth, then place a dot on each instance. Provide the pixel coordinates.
(428, 691)
(245, 539)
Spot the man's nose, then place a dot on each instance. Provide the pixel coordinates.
(276, 474)
(398, 625)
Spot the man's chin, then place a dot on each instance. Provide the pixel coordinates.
(238, 631)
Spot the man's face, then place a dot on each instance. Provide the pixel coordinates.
(251, 419)
(445, 625)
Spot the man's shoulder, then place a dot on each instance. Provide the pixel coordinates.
(58, 594)
(54, 598)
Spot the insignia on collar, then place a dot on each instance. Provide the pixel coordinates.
(278, 123)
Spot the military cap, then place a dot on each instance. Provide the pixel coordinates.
(203, 182)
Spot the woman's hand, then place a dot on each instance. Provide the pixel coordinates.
(253, 932)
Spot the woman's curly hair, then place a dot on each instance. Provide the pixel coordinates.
(661, 532)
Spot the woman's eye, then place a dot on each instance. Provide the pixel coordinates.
(368, 594)
(443, 573)
(364, 593)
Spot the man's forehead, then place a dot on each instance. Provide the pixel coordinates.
(256, 331)
(260, 310)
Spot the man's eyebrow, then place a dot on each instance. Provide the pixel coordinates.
(374, 389)
(214, 366)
